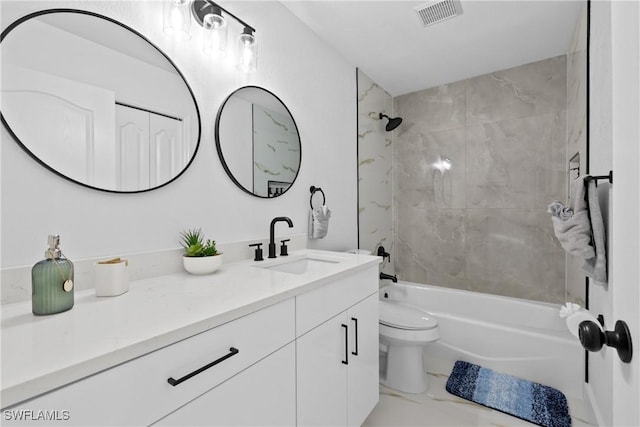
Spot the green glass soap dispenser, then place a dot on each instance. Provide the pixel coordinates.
(52, 281)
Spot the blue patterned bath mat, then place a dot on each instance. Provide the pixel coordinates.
(524, 399)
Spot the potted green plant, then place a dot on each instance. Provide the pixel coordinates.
(200, 255)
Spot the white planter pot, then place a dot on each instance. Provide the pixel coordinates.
(202, 264)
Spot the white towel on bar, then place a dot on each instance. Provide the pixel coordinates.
(596, 266)
(573, 230)
(319, 222)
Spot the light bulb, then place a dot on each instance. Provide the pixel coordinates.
(215, 33)
(247, 51)
(177, 18)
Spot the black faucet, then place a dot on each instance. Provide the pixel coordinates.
(384, 276)
(272, 243)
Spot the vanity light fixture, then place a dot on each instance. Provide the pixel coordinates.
(210, 16)
(176, 18)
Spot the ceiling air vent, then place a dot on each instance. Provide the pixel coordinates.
(437, 11)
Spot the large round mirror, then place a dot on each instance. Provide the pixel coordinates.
(258, 142)
(95, 102)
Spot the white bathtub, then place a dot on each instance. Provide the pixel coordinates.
(519, 337)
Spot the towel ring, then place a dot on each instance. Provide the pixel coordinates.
(313, 190)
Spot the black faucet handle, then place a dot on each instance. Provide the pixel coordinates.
(258, 254)
(383, 253)
(283, 248)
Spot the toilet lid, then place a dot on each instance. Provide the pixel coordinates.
(405, 317)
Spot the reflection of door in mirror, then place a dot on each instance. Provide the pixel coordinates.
(75, 120)
(149, 148)
(276, 152)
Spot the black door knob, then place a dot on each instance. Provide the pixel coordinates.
(593, 339)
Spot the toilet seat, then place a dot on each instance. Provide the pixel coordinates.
(404, 317)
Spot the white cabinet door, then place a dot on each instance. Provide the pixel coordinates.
(337, 367)
(322, 374)
(262, 395)
(363, 360)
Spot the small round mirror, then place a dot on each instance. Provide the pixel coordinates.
(258, 142)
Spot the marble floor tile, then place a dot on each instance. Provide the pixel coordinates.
(436, 407)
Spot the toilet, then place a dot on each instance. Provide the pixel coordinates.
(404, 332)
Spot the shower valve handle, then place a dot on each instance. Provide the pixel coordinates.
(384, 254)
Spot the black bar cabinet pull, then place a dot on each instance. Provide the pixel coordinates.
(355, 353)
(346, 345)
(232, 351)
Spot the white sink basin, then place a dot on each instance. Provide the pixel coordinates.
(302, 265)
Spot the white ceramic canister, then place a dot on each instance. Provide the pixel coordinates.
(111, 277)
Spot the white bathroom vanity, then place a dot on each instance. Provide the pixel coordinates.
(293, 341)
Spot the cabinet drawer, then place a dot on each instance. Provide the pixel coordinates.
(138, 393)
(262, 395)
(321, 304)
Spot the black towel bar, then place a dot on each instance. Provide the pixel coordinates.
(313, 190)
(599, 177)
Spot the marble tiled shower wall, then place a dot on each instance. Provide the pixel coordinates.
(375, 217)
(482, 224)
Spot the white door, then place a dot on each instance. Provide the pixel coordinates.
(167, 156)
(262, 395)
(322, 375)
(363, 360)
(625, 241)
(132, 148)
(66, 124)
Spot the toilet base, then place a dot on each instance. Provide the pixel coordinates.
(405, 369)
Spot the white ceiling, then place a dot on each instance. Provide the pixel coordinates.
(387, 40)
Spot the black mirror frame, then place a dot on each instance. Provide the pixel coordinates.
(126, 27)
(219, 147)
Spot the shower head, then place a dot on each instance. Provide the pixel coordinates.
(393, 122)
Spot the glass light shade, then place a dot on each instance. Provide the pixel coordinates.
(214, 30)
(177, 18)
(247, 52)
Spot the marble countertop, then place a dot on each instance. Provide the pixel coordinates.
(41, 353)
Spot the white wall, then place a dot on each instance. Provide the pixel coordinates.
(315, 83)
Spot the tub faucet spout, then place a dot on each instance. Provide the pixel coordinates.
(384, 276)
